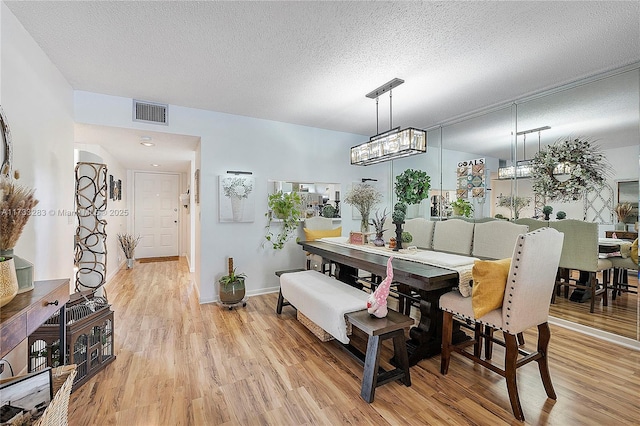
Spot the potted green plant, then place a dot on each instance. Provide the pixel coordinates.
(398, 216)
(462, 207)
(561, 215)
(547, 210)
(232, 288)
(378, 223)
(285, 206)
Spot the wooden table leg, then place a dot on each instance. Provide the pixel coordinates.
(426, 338)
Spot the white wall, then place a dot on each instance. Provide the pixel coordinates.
(38, 103)
(272, 151)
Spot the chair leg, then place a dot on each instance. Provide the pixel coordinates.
(544, 335)
(605, 283)
(477, 336)
(520, 339)
(447, 332)
(488, 342)
(510, 365)
(593, 285)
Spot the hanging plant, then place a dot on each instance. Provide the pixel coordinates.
(286, 206)
(579, 159)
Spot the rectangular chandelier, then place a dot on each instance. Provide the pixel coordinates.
(386, 146)
(523, 170)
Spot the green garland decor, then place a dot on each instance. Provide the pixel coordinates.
(584, 162)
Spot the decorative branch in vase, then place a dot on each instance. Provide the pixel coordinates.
(16, 205)
(623, 210)
(128, 244)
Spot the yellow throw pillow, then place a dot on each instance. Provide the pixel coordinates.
(314, 234)
(489, 282)
(634, 251)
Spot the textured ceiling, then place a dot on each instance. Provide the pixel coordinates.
(311, 63)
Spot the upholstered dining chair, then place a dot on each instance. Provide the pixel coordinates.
(454, 236)
(621, 265)
(421, 230)
(529, 283)
(533, 224)
(496, 239)
(580, 253)
(317, 227)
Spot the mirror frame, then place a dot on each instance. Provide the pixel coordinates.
(7, 148)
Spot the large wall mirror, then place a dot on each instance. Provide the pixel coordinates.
(318, 198)
(604, 109)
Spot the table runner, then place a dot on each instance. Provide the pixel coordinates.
(461, 264)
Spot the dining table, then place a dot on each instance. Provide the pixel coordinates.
(428, 281)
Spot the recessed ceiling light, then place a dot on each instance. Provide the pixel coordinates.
(146, 141)
(155, 165)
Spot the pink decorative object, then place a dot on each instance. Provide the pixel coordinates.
(377, 301)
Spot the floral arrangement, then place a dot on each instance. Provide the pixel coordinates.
(236, 187)
(583, 161)
(412, 186)
(363, 196)
(515, 202)
(16, 203)
(128, 244)
(623, 210)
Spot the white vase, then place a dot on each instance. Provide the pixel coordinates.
(237, 208)
(130, 263)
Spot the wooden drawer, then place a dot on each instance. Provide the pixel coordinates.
(13, 333)
(39, 314)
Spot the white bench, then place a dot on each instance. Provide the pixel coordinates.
(328, 303)
(322, 299)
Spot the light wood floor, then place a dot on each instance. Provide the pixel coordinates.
(619, 317)
(181, 363)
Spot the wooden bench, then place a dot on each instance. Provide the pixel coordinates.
(316, 295)
(380, 329)
(281, 301)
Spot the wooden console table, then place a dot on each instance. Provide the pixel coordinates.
(27, 311)
(623, 235)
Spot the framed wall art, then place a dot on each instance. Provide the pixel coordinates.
(236, 197)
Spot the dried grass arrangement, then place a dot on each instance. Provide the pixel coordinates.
(128, 243)
(623, 210)
(16, 204)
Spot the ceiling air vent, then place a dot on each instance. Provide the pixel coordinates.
(150, 112)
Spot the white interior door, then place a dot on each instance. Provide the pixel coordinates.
(156, 214)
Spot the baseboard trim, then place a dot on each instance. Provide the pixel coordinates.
(599, 334)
